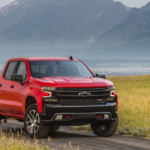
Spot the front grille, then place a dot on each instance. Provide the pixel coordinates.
(76, 94)
(80, 101)
(82, 96)
(83, 89)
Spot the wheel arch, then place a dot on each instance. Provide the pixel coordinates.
(33, 99)
(29, 101)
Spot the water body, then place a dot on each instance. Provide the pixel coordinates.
(122, 71)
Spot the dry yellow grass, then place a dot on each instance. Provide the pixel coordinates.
(134, 105)
(13, 144)
(17, 141)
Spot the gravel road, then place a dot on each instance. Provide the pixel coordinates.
(66, 138)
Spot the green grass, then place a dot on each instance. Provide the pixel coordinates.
(134, 105)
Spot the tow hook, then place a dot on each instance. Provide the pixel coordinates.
(5, 120)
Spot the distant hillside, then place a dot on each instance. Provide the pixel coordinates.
(57, 23)
(133, 31)
(128, 40)
(84, 28)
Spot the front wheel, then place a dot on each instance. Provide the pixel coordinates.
(105, 130)
(33, 125)
(54, 128)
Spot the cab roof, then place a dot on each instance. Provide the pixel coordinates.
(46, 59)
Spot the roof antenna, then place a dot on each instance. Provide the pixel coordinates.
(71, 58)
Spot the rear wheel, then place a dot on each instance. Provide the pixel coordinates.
(33, 125)
(105, 130)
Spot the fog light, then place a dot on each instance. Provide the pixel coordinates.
(106, 116)
(58, 117)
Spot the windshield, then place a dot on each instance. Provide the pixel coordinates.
(58, 68)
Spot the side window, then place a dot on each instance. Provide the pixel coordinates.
(10, 70)
(22, 70)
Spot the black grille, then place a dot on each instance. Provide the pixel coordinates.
(83, 89)
(82, 96)
(81, 101)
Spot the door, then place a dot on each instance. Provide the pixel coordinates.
(14, 93)
(17, 92)
(5, 87)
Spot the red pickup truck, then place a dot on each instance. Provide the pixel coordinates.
(47, 92)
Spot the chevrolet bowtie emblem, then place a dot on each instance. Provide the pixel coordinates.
(84, 94)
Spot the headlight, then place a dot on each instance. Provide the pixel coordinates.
(111, 88)
(112, 96)
(48, 88)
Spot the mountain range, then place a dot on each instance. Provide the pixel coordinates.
(93, 27)
(131, 36)
(57, 23)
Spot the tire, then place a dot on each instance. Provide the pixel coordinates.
(54, 128)
(33, 125)
(106, 130)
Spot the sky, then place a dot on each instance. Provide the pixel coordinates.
(134, 3)
(130, 3)
(5, 2)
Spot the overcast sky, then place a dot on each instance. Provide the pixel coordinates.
(134, 3)
(131, 3)
(5, 2)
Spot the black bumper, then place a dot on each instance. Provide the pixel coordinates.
(79, 114)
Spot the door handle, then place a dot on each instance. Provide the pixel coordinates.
(0, 85)
(11, 86)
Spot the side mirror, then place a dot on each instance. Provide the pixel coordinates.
(17, 78)
(100, 76)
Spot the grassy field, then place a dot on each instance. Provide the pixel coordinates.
(18, 140)
(134, 105)
(11, 141)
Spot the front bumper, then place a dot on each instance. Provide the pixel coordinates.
(80, 114)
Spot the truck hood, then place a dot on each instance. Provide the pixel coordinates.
(75, 82)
